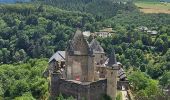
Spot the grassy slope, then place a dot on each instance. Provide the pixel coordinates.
(153, 7)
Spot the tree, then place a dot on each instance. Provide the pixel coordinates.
(20, 55)
(167, 56)
(159, 44)
(23, 41)
(165, 79)
(40, 8)
(25, 96)
(1, 91)
(1, 56)
(9, 20)
(50, 26)
(32, 20)
(138, 44)
(138, 80)
(155, 71)
(39, 87)
(146, 40)
(145, 87)
(6, 55)
(21, 25)
(19, 88)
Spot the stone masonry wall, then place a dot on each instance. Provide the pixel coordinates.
(89, 91)
(125, 84)
(99, 58)
(79, 66)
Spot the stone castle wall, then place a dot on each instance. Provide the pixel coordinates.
(102, 71)
(79, 66)
(125, 84)
(99, 58)
(87, 91)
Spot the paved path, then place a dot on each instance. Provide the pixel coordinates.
(124, 95)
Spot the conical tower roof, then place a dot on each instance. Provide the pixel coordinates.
(96, 47)
(112, 60)
(78, 35)
(78, 45)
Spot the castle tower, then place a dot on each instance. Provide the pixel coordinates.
(112, 69)
(98, 52)
(55, 76)
(79, 59)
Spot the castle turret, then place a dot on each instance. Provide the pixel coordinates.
(55, 76)
(112, 69)
(98, 52)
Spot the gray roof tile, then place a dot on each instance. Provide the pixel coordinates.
(58, 56)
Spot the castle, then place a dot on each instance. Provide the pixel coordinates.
(84, 72)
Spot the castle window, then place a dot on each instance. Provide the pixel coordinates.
(98, 86)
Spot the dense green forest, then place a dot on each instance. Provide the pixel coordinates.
(30, 33)
(23, 81)
(107, 8)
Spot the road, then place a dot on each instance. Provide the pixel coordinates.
(124, 94)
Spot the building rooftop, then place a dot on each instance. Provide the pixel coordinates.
(58, 56)
(86, 33)
(96, 47)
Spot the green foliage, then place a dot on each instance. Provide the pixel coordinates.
(28, 31)
(60, 97)
(138, 80)
(144, 86)
(100, 8)
(105, 97)
(119, 96)
(23, 81)
(165, 79)
(140, 19)
(26, 96)
(37, 31)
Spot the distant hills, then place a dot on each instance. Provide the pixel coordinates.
(100, 8)
(153, 0)
(13, 1)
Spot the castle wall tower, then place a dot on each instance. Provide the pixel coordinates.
(55, 76)
(98, 52)
(112, 70)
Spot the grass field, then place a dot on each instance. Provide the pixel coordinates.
(153, 7)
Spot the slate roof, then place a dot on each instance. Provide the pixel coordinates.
(121, 73)
(58, 56)
(112, 59)
(96, 47)
(112, 62)
(78, 40)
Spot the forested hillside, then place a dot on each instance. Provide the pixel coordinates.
(106, 9)
(23, 81)
(31, 32)
(27, 31)
(145, 56)
(13, 1)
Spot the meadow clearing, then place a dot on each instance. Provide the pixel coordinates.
(153, 7)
